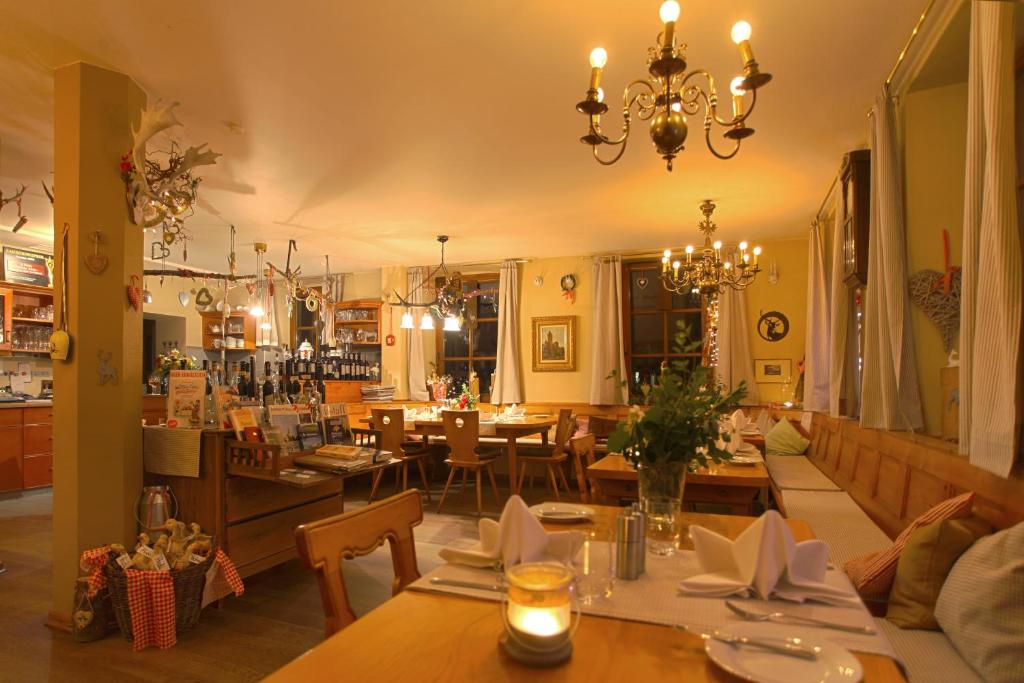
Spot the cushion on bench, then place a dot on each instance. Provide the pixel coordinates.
(836, 519)
(797, 472)
(927, 655)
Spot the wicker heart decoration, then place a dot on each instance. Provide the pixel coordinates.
(941, 308)
(203, 297)
(134, 292)
(96, 263)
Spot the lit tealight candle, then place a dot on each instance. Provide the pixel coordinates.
(538, 614)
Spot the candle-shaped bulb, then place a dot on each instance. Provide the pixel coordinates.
(600, 94)
(598, 57)
(740, 32)
(664, 259)
(743, 246)
(677, 107)
(717, 245)
(675, 265)
(746, 258)
(667, 253)
(689, 248)
(727, 265)
(669, 11)
(757, 251)
(736, 86)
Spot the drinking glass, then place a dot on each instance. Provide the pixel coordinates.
(663, 529)
(595, 566)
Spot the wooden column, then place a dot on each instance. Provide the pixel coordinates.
(97, 436)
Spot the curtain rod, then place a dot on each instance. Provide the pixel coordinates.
(828, 193)
(910, 41)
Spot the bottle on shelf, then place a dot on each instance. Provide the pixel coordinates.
(268, 384)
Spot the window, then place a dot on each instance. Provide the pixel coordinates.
(650, 318)
(476, 344)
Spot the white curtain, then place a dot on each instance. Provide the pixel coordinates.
(735, 364)
(990, 303)
(841, 395)
(608, 352)
(505, 386)
(816, 361)
(889, 390)
(417, 379)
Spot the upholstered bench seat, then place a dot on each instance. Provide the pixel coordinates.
(927, 655)
(798, 473)
(835, 518)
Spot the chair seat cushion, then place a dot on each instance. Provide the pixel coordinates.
(927, 655)
(835, 518)
(797, 472)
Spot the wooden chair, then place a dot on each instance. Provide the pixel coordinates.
(582, 449)
(390, 423)
(368, 438)
(462, 434)
(601, 427)
(552, 456)
(322, 545)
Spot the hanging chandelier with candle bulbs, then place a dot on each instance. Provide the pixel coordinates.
(449, 302)
(709, 270)
(671, 94)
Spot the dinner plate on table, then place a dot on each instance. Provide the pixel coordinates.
(562, 513)
(834, 663)
(748, 460)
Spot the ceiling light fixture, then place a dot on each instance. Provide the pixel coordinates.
(705, 271)
(452, 324)
(449, 301)
(407, 321)
(671, 94)
(427, 322)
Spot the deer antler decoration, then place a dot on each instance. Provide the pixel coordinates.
(158, 193)
(16, 198)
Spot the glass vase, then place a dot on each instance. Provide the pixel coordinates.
(661, 498)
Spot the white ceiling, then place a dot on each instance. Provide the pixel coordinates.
(363, 129)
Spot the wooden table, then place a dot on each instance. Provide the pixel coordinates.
(509, 431)
(419, 636)
(735, 486)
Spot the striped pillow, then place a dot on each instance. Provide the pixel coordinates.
(872, 574)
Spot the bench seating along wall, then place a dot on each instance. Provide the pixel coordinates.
(897, 476)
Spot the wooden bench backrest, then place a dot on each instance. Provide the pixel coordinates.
(896, 476)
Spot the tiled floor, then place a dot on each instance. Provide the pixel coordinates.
(277, 619)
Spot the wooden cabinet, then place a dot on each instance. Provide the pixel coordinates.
(855, 189)
(154, 409)
(10, 454)
(341, 391)
(26, 447)
(239, 327)
(6, 302)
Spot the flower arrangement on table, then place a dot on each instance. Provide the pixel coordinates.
(174, 360)
(465, 400)
(439, 385)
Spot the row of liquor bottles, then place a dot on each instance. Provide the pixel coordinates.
(289, 381)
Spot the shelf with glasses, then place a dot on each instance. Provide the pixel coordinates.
(345, 323)
(38, 321)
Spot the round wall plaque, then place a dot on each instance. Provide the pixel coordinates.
(773, 326)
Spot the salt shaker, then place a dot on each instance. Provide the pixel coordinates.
(630, 544)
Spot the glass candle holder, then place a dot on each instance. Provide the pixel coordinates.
(537, 609)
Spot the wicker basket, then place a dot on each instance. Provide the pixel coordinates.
(188, 593)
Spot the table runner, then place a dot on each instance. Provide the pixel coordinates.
(654, 598)
(171, 451)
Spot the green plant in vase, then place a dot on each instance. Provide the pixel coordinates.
(676, 429)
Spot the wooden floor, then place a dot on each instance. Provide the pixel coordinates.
(277, 619)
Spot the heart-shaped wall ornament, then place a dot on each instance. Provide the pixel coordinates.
(134, 292)
(96, 263)
(203, 297)
(183, 298)
(927, 291)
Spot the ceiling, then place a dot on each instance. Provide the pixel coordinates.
(363, 130)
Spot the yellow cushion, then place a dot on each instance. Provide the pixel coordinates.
(784, 439)
(926, 559)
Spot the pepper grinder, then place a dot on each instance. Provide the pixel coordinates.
(630, 549)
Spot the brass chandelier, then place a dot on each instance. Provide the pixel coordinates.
(672, 93)
(706, 271)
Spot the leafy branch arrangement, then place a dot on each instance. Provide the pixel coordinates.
(684, 408)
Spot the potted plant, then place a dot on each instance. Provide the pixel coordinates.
(678, 428)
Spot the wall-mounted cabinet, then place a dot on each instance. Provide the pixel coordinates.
(237, 332)
(855, 194)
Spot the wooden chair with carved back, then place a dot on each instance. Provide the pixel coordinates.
(601, 428)
(390, 422)
(324, 544)
(462, 434)
(583, 452)
(552, 457)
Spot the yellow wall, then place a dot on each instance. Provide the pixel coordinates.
(935, 131)
(789, 297)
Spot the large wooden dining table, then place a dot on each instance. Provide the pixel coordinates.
(419, 636)
(733, 486)
(511, 431)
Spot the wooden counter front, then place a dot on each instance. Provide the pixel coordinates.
(254, 519)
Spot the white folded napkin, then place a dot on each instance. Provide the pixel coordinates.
(739, 420)
(765, 422)
(517, 538)
(763, 561)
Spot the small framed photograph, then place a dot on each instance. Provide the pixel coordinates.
(554, 344)
(773, 370)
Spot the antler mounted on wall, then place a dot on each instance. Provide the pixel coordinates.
(159, 193)
(16, 198)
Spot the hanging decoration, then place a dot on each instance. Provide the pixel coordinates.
(938, 295)
(204, 298)
(772, 326)
(134, 292)
(449, 302)
(16, 198)
(568, 284)
(161, 186)
(107, 373)
(96, 262)
(390, 339)
(60, 340)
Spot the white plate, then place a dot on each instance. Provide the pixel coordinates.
(834, 663)
(744, 460)
(565, 513)
(748, 448)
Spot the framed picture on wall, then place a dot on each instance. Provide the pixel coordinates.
(554, 344)
(773, 370)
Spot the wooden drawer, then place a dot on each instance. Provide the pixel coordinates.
(38, 439)
(38, 471)
(260, 538)
(10, 457)
(248, 498)
(10, 416)
(39, 416)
